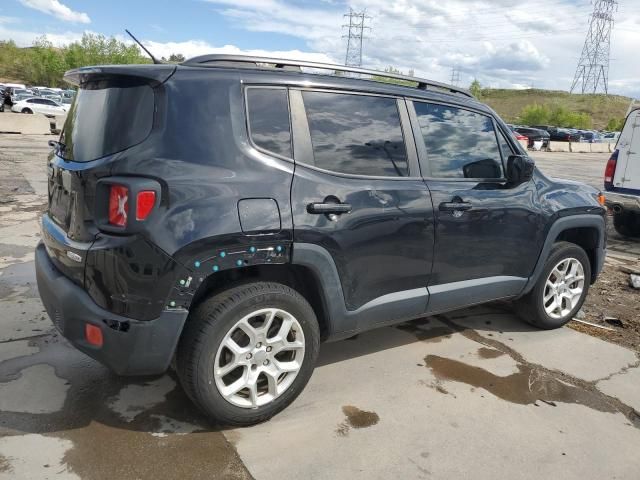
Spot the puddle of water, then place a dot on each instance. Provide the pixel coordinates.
(489, 353)
(162, 434)
(19, 276)
(524, 387)
(425, 332)
(134, 454)
(357, 418)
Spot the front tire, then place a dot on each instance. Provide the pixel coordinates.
(560, 290)
(27, 110)
(248, 352)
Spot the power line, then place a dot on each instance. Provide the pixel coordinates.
(354, 37)
(592, 72)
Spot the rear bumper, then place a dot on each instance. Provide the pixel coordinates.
(130, 347)
(622, 201)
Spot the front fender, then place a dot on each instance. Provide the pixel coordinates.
(565, 223)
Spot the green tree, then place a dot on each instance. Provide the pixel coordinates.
(615, 124)
(535, 115)
(559, 116)
(45, 64)
(475, 88)
(390, 69)
(176, 58)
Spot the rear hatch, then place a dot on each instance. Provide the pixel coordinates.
(112, 112)
(627, 174)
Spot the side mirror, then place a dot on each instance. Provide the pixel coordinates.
(519, 169)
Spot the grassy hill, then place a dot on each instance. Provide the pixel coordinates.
(601, 108)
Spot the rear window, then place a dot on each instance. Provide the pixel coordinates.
(107, 117)
(269, 119)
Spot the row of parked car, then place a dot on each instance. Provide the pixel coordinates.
(44, 100)
(539, 136)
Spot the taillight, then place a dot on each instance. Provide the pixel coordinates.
(124, 205)
(145, 201)
(118, 205)
(610, 170)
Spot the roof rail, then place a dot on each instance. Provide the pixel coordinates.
(248, 61)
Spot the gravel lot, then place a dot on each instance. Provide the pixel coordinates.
(474, 393)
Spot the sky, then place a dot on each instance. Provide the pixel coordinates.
(502, 43)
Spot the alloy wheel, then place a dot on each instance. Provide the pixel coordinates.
(563, 288)
(259, 358)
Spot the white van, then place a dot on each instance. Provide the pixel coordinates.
(622, 178)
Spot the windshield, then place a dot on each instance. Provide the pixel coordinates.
(106, 117)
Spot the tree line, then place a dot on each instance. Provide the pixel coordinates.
(44, 64)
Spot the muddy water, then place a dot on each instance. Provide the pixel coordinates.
(104, 452)
(425, 331)
(524, 387)
(489, 353)
(118, 427)
(356, 418)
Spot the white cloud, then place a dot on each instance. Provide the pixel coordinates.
(57, 9)
(194, 48)
(5, 20)
(503, 43)
(25, 38)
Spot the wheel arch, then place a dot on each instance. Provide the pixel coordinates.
(585, 230)
(298, 277)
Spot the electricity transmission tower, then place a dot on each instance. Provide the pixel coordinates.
(355, 37)
(592, 73)
(455, 76)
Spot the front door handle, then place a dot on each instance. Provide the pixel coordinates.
(455, 206)
(329, 208)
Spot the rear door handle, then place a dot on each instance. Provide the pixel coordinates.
(455, 206)
(324, 208)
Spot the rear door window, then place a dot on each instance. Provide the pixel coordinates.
(460, 143)
(269, 125)
(356, 134)
(106, 117)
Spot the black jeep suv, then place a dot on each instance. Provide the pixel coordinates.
(231, 213)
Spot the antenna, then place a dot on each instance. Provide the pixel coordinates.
(155, 60)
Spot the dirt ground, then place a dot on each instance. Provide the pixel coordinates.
(612, 303)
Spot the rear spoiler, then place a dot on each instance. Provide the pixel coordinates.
(151, 74)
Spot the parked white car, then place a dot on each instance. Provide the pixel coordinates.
(39, 105)
(611, 137)
(622, 178)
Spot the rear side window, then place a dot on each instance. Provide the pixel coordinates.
(269, 124)
(460, 143)
(107, 117)
(356, 134)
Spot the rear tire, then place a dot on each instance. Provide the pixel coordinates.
(559, 292)
(213, 354)
(627, 224)
(27, 110)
